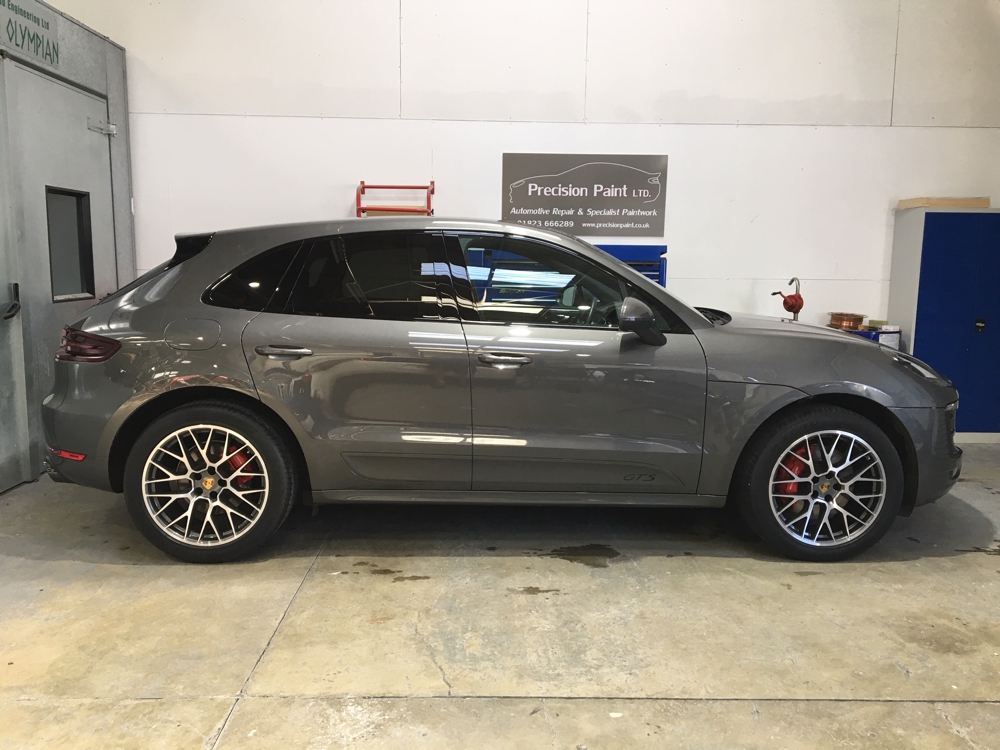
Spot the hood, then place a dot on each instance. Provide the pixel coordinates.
(757, 349)
(786, 326)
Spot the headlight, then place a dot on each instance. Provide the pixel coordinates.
(914, 365)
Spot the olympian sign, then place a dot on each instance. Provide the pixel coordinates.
(587, 195)
(31, 29)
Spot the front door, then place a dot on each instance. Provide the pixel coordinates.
(562, 401)
(59, 247)
(369, 357)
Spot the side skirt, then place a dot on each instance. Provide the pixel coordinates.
(327, 497)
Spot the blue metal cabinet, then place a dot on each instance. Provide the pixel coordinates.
(649, 260)
(956, 309)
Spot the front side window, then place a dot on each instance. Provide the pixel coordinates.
(380, 275)
(515, 280)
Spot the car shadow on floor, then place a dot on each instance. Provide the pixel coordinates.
(84, 525)
(948, 528)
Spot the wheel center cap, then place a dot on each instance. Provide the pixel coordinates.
(824, 487)
(208, 482)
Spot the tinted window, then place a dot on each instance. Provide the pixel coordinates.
(388, 276)
(520, 281)
(251, 286)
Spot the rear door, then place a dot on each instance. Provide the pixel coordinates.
(368, 356)
(562, 400)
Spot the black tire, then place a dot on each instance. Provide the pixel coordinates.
(752, 482)
(282, 481)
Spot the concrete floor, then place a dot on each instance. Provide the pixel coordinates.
(460, 627)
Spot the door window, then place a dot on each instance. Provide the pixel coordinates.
(71, 253)
(383, 275)
(515, 280)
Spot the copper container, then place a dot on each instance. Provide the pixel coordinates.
(846, 321)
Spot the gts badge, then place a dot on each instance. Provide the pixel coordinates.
(639, 477)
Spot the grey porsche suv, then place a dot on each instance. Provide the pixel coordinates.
(399, 360)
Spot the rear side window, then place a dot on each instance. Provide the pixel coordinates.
(251, 286)
(385, 275)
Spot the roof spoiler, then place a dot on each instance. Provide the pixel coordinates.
(189, 245)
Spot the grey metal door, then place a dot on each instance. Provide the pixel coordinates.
(561, 400)
(14, 464)
(60, 245)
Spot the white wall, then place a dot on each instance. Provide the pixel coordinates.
(792, 126)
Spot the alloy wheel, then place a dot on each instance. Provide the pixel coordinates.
(205, 485)
(827, 488)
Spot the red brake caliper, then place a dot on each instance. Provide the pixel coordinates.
(236, 463)
(792, 468)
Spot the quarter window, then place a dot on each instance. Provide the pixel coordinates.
(251, 286)
(384, 275)
(515, 280)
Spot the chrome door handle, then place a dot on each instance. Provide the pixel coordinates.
(278, 351)
(503, 361)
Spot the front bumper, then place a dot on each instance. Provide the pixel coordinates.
(938, 459)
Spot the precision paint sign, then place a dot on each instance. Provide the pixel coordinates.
(30, 29)
(589, 195)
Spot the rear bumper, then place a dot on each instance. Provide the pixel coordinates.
(75, 415)
(938, 459)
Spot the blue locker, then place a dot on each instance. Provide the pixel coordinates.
(649, 260)
(957, 326)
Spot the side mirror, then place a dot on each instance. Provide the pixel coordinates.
(638, 318)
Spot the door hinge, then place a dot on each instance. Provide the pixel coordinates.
(104, 128)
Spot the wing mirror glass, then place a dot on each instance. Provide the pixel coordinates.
(639, 319)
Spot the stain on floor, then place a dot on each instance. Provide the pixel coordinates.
(591, 555)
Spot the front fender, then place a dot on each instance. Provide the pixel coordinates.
(733, 413)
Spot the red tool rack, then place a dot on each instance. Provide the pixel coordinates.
(422, 210)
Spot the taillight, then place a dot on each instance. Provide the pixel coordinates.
(69, 455)
(80, 346)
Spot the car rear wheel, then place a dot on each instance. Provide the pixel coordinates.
(209, 482)
(820, 484)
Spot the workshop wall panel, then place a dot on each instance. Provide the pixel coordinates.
(948, 63)
(335, 58)
(494, 59)
(727, 61)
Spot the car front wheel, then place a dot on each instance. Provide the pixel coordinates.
(209, 482)
(820, 484)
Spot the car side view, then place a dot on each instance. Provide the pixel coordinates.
(399, 360)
